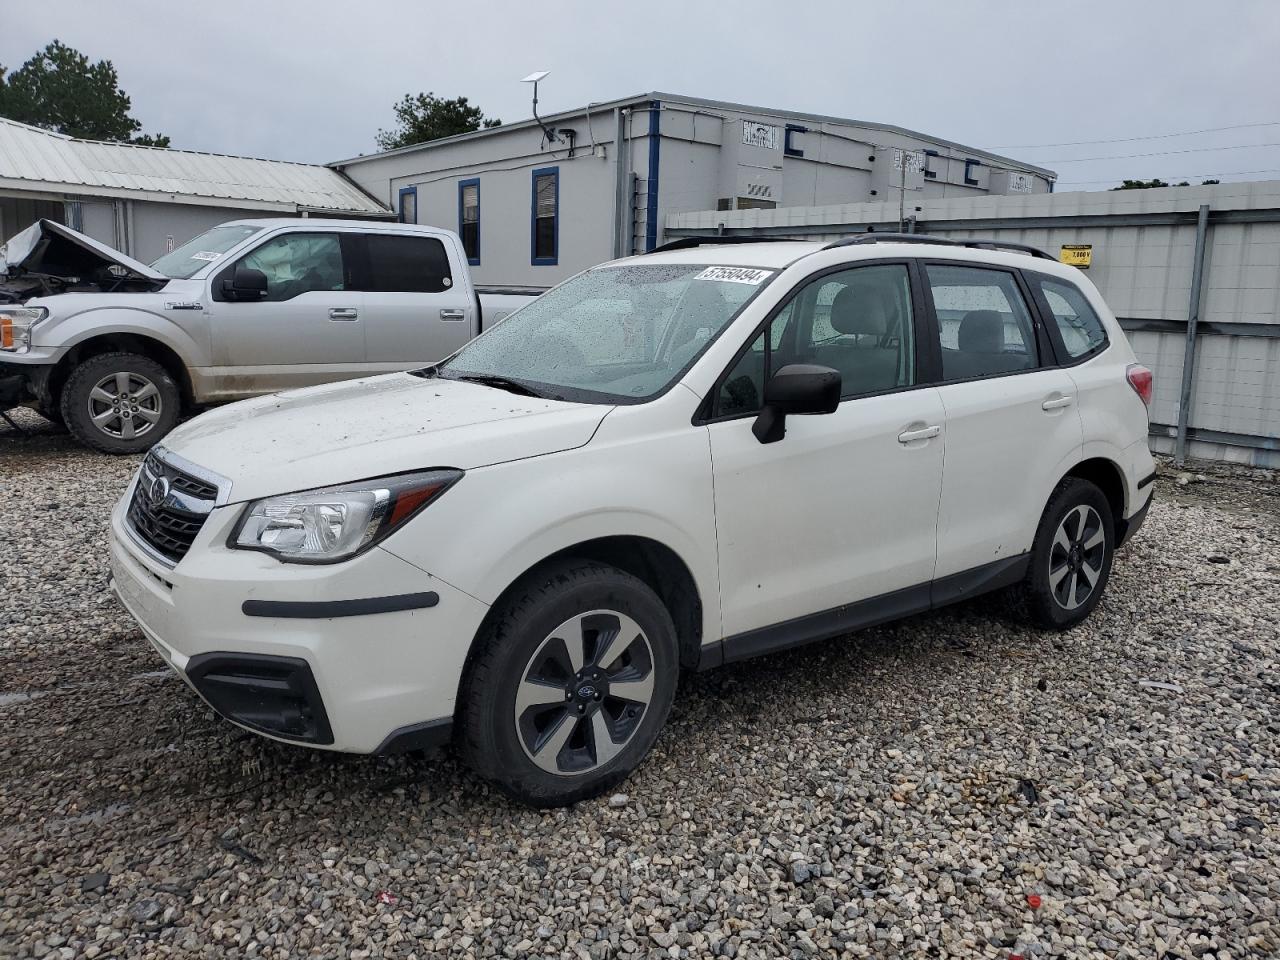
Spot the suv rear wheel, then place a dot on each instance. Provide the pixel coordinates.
(1071, 558)
(120, 402)
(573, 680)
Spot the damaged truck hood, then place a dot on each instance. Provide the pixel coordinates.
(47, 258)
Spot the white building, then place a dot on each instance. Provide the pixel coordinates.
(534, 210)
(145, 201)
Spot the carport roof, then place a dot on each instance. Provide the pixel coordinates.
(39, 160)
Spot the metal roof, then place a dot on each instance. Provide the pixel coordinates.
(41, 160)
(682, 100)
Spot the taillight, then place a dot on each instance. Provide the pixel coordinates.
(1139, 378)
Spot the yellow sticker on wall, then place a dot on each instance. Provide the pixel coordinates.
(1076, 255)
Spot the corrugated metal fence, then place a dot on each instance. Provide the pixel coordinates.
(1144, 262)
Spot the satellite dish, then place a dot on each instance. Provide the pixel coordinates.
(533, 78)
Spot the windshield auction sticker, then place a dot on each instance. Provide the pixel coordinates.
(207, 255)
(735, 275)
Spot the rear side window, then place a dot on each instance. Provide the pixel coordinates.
(983, 322)
(1081, 330)
(407, 265)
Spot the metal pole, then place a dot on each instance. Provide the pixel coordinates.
(621, 166)
(902, 190)
(1189, 352)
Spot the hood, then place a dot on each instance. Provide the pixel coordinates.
(50, 250)
(366, 428)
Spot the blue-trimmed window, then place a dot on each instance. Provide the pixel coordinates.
(469, 218)
(407, 205)
(544, 215)
(970, 172)
(929, 172)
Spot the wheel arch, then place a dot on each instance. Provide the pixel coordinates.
(654, 563)
(121, 341)
(1108, 476)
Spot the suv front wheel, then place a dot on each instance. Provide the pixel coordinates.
(120, 402)
(572, 681)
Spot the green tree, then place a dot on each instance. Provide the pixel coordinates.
(428, 117)
(1157, 182)
(59, 89)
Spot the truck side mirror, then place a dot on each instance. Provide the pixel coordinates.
(245, 284)
(795, 389)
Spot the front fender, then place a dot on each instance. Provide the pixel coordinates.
(500, 521)
(186, 335)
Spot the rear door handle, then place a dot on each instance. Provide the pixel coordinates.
(1057, 403)
(452, 314)
(924, 433)
(343, 313)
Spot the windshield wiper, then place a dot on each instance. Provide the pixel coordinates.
(501, 383)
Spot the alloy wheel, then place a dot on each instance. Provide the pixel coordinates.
(125, 405)
(584, 692)
(1076, 557)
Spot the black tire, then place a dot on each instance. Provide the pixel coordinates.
(161, 403)
(1057, 562)
(488, 736)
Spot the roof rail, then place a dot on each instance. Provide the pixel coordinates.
(688, 243)
(859, 238)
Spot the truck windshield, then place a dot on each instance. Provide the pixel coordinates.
(197, 254)
(612, 334)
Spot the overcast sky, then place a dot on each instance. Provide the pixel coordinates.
(313, 81)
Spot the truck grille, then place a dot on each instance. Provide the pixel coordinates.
(169, 507)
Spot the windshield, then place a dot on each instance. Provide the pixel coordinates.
(612, 334)
(197, 254)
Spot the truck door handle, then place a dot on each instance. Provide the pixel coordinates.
(452, 314)
(1057, 403)
(923, 433)
(342, 313)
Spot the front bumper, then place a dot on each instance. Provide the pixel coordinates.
(271, 647)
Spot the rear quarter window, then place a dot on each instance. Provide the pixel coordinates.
(1081, 331)
(407, 265)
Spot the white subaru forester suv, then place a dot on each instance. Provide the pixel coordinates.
(668, 462)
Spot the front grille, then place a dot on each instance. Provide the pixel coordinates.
(169, 507)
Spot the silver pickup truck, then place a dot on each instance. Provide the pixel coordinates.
(117, 350)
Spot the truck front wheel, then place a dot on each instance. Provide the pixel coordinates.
(120, 402)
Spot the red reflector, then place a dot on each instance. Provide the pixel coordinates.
(1140, 379)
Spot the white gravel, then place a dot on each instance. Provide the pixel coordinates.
(900, 794)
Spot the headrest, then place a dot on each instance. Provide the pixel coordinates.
(859, 310)
(981, 331)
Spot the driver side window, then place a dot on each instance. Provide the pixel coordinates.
(296, 263)
(857, 322)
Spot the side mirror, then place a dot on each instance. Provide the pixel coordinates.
(795, 389)
(245, 284)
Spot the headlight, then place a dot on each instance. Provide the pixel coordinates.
(336, 523)
(15, 327)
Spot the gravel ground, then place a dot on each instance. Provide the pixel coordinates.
(955, 785)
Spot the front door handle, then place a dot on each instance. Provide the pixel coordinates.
(923, 433)
(452, 314)
(343, 313)
(1057, 403)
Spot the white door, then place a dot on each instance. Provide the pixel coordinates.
(844, 507)
(1012, 424)
(306, 330)
(416, 311)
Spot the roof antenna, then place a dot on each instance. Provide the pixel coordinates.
(548, 132)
